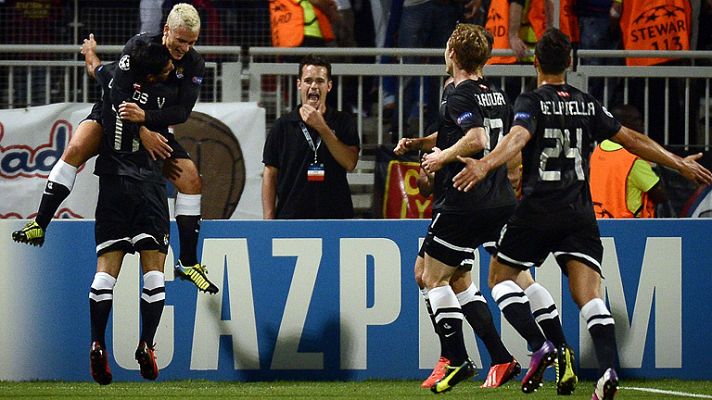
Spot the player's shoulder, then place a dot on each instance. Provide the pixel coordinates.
(141, 37)
(449, 88)
(465, 91)
(341, 118)
(194, 59)
(104, 72)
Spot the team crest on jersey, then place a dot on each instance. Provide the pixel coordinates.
(179, 73)
(464, 117)
(521, 115)
(125, 62)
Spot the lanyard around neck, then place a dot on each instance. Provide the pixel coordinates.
(308, 137)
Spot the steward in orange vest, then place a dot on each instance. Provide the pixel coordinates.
(498, 25)
(568, 21)
(287, 19)
(618, 184)
(655, 25)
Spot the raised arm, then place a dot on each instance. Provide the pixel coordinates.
(345, 155)
(91, 60)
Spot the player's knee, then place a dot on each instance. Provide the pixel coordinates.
(582, 297)
(496, 277)
(190, 182)
(418, 274)
(75, 155)
(419, 279)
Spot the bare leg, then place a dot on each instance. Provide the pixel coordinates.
(83, 145)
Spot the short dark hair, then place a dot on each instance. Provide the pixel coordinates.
(149, 58)
(319, 61)
(553, 51)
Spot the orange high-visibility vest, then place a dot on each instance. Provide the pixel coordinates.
(609, 182)
(498, 25)
(287, 22)
(655, 25)
(568, 21)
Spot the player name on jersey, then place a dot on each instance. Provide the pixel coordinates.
(490, 99)
(549, 107)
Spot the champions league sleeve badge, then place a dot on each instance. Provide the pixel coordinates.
(125, 62)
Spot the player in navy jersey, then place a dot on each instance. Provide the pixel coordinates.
(131, 211)
(450, 242)
(475, 310)
(541, 302)
(555, 128)
(179, 36)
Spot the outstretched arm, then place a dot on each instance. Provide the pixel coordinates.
(416, 144)
(646, 148)
(476, 170)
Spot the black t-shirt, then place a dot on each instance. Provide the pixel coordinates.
(287, 149)
(121, 151)
(564, 123)
(476, 104)
(187, 77)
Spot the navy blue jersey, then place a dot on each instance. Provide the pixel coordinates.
(121, 151)
(564, 123)
(476, 104)
(187, 77)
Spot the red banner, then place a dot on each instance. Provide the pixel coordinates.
(402, 198)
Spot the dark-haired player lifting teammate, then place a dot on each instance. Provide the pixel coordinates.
(179, 35)
(555, 127)
(131, 211)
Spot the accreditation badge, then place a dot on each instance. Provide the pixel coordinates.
(315, 172)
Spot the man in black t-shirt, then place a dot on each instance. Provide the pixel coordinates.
(555, 128)
(131, 211)
(308, 153)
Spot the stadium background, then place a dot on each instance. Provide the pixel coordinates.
(363, 307)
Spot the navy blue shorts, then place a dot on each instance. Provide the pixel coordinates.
(453, 238)
(131, 215)
(528, 239)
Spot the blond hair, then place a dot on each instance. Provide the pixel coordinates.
(184, 15)
(469, 42)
